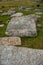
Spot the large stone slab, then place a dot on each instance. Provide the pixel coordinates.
(22, 26)
(11, 55)
(10, 41)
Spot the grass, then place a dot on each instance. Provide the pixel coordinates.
(3, 20)
(36, 42)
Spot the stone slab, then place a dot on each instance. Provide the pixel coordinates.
(22, 26)
(10, 41)
(11, 55)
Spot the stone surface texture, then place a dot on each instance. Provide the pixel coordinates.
(17, 14)
(10, 41)
(11, 55)
(22, 26)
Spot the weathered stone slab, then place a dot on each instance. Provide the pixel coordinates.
(22, 26)
(11, 55)
(17, 15)
(10, 41)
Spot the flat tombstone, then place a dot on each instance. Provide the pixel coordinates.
(10, 41)
(22, 26)
(11, 55)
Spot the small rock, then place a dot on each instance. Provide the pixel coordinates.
(38, 10)
(38, 13)
(28, 9)
(21, 8)
(5, 14)
(2, 25)
(17, 14)
(11, 11)
(39, 25)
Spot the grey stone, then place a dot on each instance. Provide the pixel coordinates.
(10, 12)
(17, 14)
(6, 13)
(39, 13)
(21, 8)
(39, 25)
(38, 10)
(11, 55)
(22, 26)
(1, 25)
(28, 9)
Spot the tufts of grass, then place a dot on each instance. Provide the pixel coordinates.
(3, 20)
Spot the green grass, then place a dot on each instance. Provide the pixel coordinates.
(36, 42)
(4, 20)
